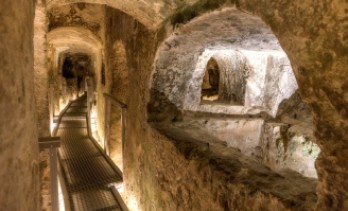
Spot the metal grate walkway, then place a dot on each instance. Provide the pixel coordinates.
(85, 168)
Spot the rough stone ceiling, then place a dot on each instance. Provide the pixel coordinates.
(228, 29)
(151, 13)
(74, 38)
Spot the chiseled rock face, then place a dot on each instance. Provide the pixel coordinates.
(317, 48)
(172, 103)
(150, 13)
(179, 174)
(271, 140)
(167, 175)
(221, 35)
(288, 141)
(117, 70)
(88, 16)
(40, 68)
(41, 75)
(19, 173)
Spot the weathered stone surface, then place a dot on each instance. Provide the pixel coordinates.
(288, 140)
(317, 48)
(40, 68)
(166, 175)
(88, 16)
(149, 13)
(135, 46)
(223, 35)
(45, 179)
(117, 65)
(41, 78)
(19, 172)
(163, 175)
(269, 80)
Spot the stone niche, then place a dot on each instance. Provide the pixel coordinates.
(224, 80)
(249, 82)
(210, 85)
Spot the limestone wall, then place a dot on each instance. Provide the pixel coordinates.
(117, 70)
(89, 16)
(165, 174)
(150, 13)
(317, 50)
(41, 70)
(181, 174)
(180, 70)
(19, 173)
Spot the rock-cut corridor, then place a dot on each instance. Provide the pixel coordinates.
(173, 105)
(86, 171)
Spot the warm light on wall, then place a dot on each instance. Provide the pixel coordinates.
(130, 199)
(52, 126)
(120, 188)
(94, 127)
(60, 197)
(132, 202)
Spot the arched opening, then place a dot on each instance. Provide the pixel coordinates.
(224, 81)
(76, 69)
(211, 79)
(255, 78)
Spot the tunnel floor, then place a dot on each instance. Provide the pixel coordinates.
(85, 169)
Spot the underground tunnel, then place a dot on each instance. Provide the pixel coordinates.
(173, 105)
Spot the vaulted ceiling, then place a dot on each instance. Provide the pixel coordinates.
(151, 13)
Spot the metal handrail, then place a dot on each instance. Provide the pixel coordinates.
(108, 101)
(62, 182)
(118, 197)
(115, 101)
(107, 158)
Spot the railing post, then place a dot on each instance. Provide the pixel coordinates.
(54, 178)
(88, 103)
(123, 125)
(106, 126)
(52, 143)
(51, 106)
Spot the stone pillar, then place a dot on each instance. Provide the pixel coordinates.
(19, 175)
(42, 95)
(40, 69)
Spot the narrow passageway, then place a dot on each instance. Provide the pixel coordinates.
(86, 170)
(216, 105)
